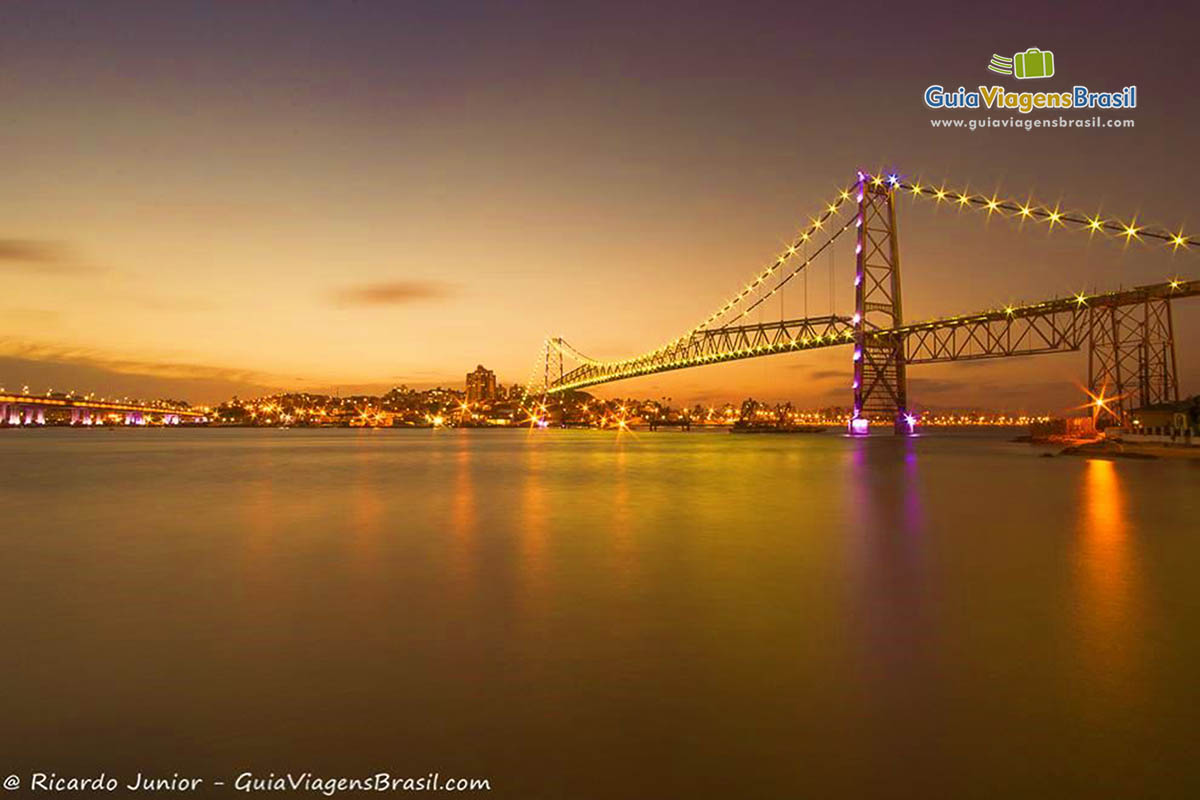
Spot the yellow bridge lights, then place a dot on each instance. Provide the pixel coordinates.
(1052, 215)
(681, 351)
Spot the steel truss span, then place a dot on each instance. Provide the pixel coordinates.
(715, 346)
(1052, 326)
(1061, 325)
(1129, 334)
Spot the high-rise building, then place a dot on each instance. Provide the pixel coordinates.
(481, 385)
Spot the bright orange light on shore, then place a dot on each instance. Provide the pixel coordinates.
(1101, 402)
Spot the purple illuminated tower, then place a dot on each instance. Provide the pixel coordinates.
(880, 388)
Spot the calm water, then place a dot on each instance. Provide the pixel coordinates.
(573, 614)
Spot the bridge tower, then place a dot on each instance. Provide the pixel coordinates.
(1131, 356)
(554, 360)
(880, 386)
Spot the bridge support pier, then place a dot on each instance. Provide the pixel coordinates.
(1131, 357)
(880, 383)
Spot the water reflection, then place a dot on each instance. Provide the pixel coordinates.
(914, 518)
(532, 531)
(888, 561)
(878, 618)
(1109, 586)
(463, 512)
(367, 511)
(879, 502)
(622, 520)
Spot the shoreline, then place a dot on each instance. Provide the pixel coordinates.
(1110, 448)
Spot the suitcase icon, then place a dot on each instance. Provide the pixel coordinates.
(1033, 63)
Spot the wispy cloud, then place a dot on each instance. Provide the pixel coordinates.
(36, 255)
(390, 293)
(26, 362)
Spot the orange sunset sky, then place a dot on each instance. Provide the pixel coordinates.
(208, 199)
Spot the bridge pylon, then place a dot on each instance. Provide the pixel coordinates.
(554, 361)
(1131, 357)
(880, 384)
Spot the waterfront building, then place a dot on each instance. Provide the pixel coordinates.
(481, 385)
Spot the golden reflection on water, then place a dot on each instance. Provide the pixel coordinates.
(258, 504)
(1109, 589)
(621, 517)
(464, 516)
(367, 511)
(621, 523)
(534, 508)
(263, 585)
(847, 616)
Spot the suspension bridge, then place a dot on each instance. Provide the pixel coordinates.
(1128, 334)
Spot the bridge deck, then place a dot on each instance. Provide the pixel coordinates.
(42, 401)
(1055, 325)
